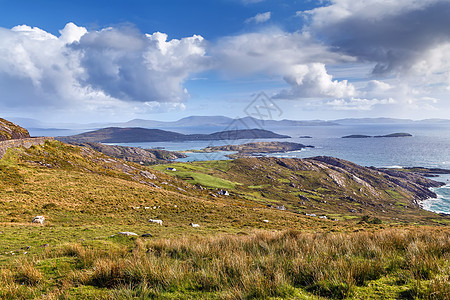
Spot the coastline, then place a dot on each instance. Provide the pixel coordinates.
(440, 204)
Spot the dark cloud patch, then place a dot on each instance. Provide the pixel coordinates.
(393, 37)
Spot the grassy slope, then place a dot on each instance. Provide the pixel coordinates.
(87, 197)
(310, 186)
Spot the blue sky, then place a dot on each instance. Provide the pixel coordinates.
(88, 61)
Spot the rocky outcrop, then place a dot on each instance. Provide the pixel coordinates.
(10, 131)
(414, 183)
(134, 154)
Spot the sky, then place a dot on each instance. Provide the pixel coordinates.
(117, 60)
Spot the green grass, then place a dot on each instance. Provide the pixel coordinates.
(393, 194)
(205, 180)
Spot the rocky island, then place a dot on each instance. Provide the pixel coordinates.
(362, 136)
(251, 149)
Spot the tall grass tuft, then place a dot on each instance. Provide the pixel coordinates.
(27, 273)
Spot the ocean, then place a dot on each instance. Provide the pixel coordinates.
(428, 147)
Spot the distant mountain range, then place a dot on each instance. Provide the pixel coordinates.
(205, 124)
(137, 134)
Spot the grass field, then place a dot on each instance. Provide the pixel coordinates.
(87, 198)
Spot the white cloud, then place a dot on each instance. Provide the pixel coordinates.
(95, 70)
(296, 57)
(259, 18)
(313, 81)
(134, 67)
(406, 41)
(72, 33)
(358, 103)
(269, 53)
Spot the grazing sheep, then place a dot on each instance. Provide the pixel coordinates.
(266, 221)
(194, 225)
(147, 207)
(127, 233)
(38, 219)
(156, 221)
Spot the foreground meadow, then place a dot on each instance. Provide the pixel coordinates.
(408, 263)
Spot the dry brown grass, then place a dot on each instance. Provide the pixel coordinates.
(260, 265)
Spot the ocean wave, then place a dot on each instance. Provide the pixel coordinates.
(440, 204)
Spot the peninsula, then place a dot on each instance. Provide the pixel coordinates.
(142, 135)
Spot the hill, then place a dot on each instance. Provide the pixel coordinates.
(9, 131)
(322, 186)
(257, 242)
(130, 135)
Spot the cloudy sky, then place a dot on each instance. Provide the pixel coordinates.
(115, 60)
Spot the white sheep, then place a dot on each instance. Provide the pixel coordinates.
(38, 219)
(156, 221)
(265, 221)
(194, 225)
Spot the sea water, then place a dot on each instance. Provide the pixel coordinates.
(428, 147)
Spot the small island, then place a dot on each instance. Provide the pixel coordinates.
(250, 149)
(362, 136)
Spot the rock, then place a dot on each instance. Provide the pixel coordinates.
(148, 175)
